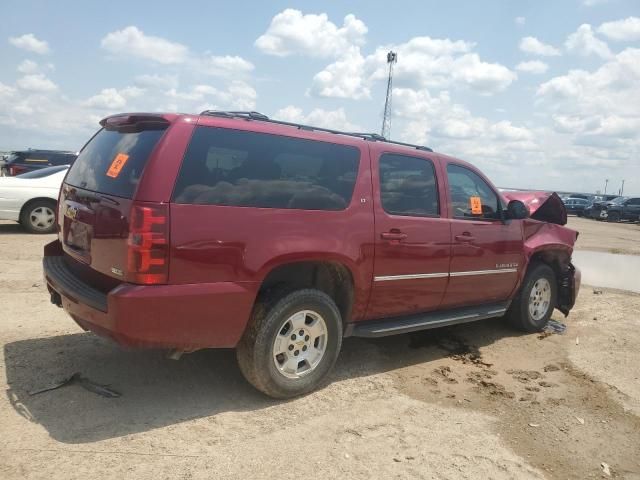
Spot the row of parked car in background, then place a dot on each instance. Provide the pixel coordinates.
(29, 187)
(612, 208)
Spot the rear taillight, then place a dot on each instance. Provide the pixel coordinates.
(16, 170)
(148, 244)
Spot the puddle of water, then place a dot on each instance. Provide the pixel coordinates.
(609, 270)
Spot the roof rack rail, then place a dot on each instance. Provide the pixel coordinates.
(250, 115)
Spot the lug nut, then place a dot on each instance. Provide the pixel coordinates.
(304, 349)
(306, 338)
(296, 353)
(290, 347)
(293, 337)
(301, 332)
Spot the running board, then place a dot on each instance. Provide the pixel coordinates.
(424, 321)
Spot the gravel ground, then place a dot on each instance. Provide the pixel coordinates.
(471, 401)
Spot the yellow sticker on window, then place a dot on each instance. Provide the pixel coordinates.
(476, 205)
(117, 164)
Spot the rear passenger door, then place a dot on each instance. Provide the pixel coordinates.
(412, 239)
(486, 253)
(632, 209)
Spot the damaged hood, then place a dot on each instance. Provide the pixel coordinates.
(543, 206)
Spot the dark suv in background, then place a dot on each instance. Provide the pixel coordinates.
(622, 208)
(28, 160)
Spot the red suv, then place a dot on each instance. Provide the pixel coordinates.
(229, 229)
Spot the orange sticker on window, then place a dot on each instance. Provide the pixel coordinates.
(117, 164)
(476, 205)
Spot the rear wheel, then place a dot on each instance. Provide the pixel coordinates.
(39, 216)
(291, 344)
(532, 307)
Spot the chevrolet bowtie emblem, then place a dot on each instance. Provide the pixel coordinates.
(71, 212)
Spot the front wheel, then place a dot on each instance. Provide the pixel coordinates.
(532, 307)
(291, 345)
(613, 217)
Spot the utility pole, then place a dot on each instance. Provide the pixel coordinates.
(622, 188)
(392, 58)
(606, 182)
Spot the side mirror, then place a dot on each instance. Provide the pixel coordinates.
(516, 210)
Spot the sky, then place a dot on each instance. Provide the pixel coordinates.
(538, 94)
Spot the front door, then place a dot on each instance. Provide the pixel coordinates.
(486, 253)
(412, 237)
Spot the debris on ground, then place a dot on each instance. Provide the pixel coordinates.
(77, 378)
(554, 326)
(580, 420)
(605, 469)
(534, 425)
(597, 291)
(577, 340)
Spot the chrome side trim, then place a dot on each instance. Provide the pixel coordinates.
(387, 278)
(483, 272)
(495, 312)
(419, 324)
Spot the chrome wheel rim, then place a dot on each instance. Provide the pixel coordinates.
(42, 218)
(300, 344)
(540, 299)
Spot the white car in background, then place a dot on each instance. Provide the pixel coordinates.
(31, 198)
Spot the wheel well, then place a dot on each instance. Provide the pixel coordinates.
(560, 262)
(332, 278)
(33, 200)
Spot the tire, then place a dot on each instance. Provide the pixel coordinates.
(287, 374)
(520, 314)
(613, 217)
(39, 216)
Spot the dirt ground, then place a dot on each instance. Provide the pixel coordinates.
(471, 401)
(607, 237)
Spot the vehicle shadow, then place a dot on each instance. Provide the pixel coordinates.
(158, 392)
(11, 228)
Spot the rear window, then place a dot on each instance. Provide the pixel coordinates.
(248, 169)
(112, 162)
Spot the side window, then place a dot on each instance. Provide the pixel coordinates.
(248, 169)
(471, 197)
(408, 186)
(634, 201)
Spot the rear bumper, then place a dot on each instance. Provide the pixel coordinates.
(185, 317)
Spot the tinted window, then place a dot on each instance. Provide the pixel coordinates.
(248, 169)
(634, 201)
(112, 162)
(408, 186)
(471, 196)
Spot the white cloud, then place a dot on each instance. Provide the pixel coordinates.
(292, 32)
(238, 95)
(626, 30)
(422, 62)
(29, 42)
(28, 66)
(520, 20)
(108, 99)
(133, 42)
(36, 83)
(534, 66)
(334, 119)
(534, 46)
(157, 81)
(585, 43)
(345, 78)
(224, 66)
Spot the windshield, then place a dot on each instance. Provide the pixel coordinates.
(43, 172)
(618, 200)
